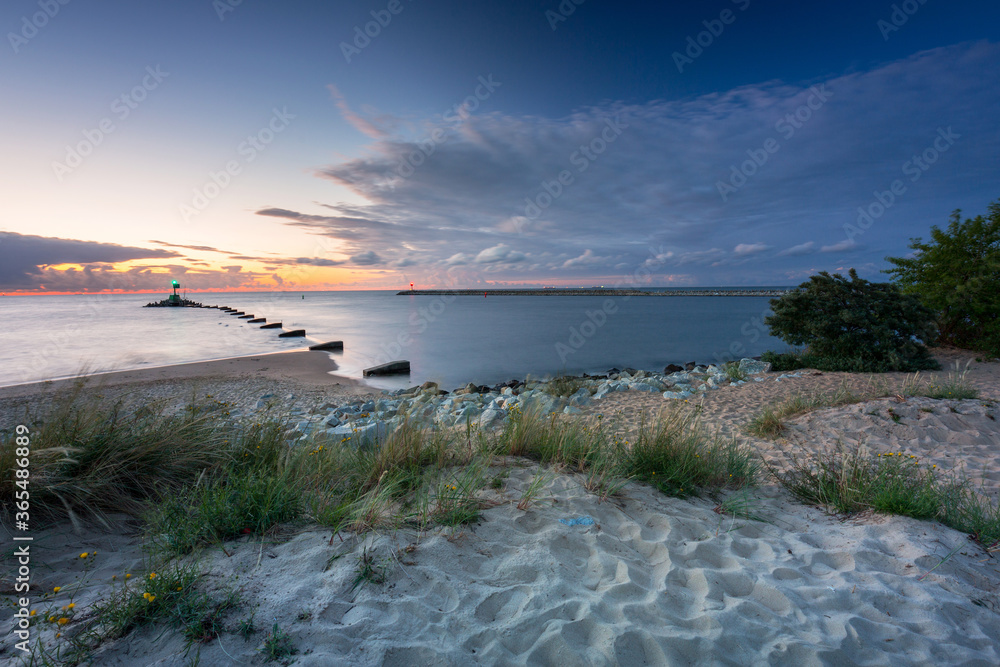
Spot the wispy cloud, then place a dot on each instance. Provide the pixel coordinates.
(653, 193)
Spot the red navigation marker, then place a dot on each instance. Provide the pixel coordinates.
(411, 286)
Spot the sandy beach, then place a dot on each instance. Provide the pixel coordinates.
(638, 579)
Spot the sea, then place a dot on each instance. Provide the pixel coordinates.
(450, 339)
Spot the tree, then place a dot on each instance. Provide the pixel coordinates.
(957, 275)
(854, 325)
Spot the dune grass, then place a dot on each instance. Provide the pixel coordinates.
(770, 421)
(852, 480)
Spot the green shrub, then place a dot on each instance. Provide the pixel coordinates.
(854, 325)
(956, 276)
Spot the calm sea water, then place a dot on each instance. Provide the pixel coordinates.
(452, 340)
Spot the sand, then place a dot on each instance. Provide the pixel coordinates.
(653, 581)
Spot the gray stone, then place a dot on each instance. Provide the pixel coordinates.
(753, 367)
(581, 397)
(572, 410)
(364, 435)
(488, 417)
(332, 421)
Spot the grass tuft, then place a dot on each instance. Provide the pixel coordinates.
(853, 480)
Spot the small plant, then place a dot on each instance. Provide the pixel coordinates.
(767, 424)
(733, 372)
(894, 416)
(246, 627)
(278, 644)
(369, 570)
(564, 386)
(500, 480)
(530, 494)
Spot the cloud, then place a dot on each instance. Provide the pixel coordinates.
(499, 253)
(750, 248)
(25, 258)
(366, 258)
(654, 190)
(201, 248)
(797, 250)
(843, 246)
(317, 261)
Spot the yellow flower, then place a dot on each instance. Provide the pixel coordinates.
(63, 621)
(152, 597)
(128, 576)
(84, 554)
(57, 589)
(33, 612)
(113, 577)
(71, 605)
(152, 575)
(178, 588)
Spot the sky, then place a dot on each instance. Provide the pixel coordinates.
(252, 145)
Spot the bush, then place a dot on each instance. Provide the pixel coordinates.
(854, 325)
(956, 276)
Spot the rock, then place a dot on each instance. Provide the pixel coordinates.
(676, 394)
(332, 421)
(488, 417)
(294, 333)
(753, 367)
(364, 435)
(391, 368)
(672, 368)
(572, 410)
(690, 366)
(430, 385)
(631, 371)
(368, 406)
(580, 397)
(642, 386)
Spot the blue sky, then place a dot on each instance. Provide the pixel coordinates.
(264, 145)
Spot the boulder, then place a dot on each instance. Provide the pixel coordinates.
(690, 366)
(364, 435)
(580, 397)
(488, 417)
(753, 366)
(672, 368)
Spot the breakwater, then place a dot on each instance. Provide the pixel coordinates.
(597, 292)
